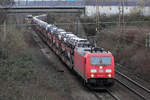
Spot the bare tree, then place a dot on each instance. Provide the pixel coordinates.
(3, 12)
(6, 2)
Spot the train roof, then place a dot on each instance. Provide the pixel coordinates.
(83, 50)
(60, 29)
(49, 25)
(39, 16)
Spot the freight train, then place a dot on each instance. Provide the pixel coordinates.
(93, 64)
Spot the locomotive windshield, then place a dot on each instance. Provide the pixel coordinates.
(100, 60)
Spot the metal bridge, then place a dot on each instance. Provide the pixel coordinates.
(38, 6)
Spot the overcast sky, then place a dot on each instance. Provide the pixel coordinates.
(48, 0)
(43, 0)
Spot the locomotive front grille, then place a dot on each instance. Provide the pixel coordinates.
(100, 82)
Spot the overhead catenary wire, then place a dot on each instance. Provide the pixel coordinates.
(109, 22)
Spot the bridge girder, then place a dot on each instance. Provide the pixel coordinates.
(45, 9)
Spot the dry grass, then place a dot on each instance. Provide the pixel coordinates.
(25, 74)
(129, 50)
(14, 41)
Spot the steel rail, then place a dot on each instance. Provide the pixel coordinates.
(112, 94)
(134, 82)
(132, 89)
(109, 92)
(97, 96)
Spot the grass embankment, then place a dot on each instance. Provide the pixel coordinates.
(16, 63)
(25, 74)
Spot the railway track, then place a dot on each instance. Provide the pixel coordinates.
(138, 89)
(98, 95)
(133, 86)
(108, 95)
(112, 94)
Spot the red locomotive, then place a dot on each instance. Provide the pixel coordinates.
(93, 64)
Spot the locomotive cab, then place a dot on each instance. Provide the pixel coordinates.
(95, 66)
(100, 69)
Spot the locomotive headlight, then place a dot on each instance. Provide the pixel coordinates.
(109, 75)
(93, 70)
(92, 75)
(108, 70)
(100, 67)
